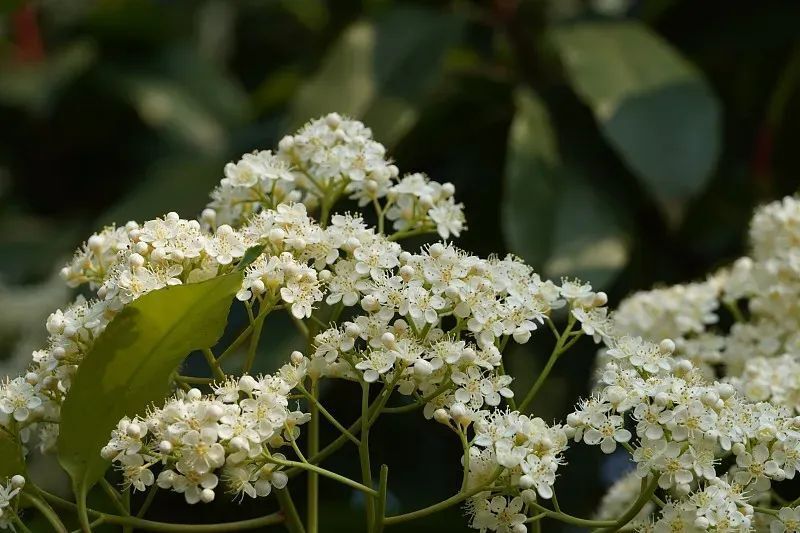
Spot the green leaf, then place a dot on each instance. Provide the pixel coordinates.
(552, 216)
(10, 456)
(36, 86)
(184, 96)
(130, 365)
(250, 255)
(653, 106)
(380, 72)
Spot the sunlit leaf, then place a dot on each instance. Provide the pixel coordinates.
(653, 106)
(552, 216)
(130, 364)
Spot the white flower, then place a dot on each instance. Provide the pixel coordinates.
(376, 363)
(606, 431)
(501, 515)
(200, 452)
(226, 245)
(18, 398)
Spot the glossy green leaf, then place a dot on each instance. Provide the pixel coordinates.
(380, 71)
(552, 216)
(10, 457)
(130, 365)
(652, 105)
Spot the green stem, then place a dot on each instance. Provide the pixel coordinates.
(213, 364)
(558, 349)
(315, 405)
(569, 519)
(47, 512)
(644, 496)
(409, 233)
(148, 501)
(380, 504)
(114, 496)
(363, 449)
(312, 519)
(444, 504)
(323, 472)
(83, 513)
(149, 525)
(293, 523)
(765, 510)
(254, 338)
(243, 335)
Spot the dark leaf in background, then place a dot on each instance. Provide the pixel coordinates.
(183, 96)
(380, 71)
(553, 216)
(655, 109)
(36, 86)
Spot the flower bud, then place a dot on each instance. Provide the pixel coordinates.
(521, 335)
(667, 346)
(422, 368)
(388, 340)
(135, 260)
(165, 446)
(286, 143)
(528, 495)
(159, 255)
(370, 304)
(247, 383)
(458, 411)
(525, 481)
(600, 299)
(32, 378)
(661, 399)
(134, 430)
(209, 216)
(406, 272)
(297, 358)
(238, 443)
(436, 250)
(17, 481)
(333, 120)
(194, 394)
(352, 329)
(258, 287)
(441, 416)
(95, 243)
(725, 390)
(59, 353)
(207, 495)
(325, 275)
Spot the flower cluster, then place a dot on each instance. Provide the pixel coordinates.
(197, 440)
(9, 509)
(711, 396)
(709, 413)
(328, 158)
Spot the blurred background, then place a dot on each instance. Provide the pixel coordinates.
(623, 141)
